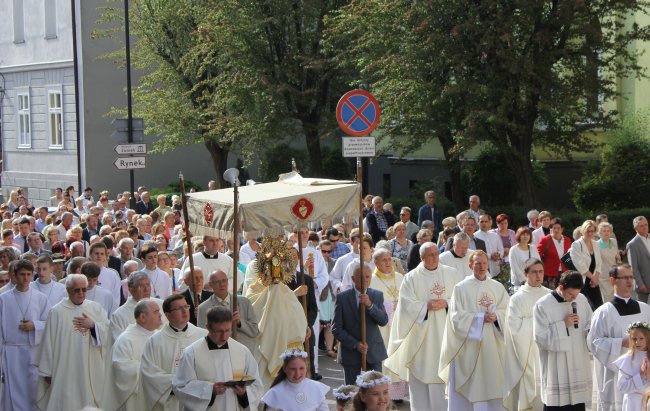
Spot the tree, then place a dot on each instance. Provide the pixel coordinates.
(515, 74)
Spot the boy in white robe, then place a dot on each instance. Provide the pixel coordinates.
(123, 389)
(109, 279)
(472, 351)
(209, 369)
(162, 353)
(607, 339)
(522, 377)
(72, 351)
(54, 291)
(23, 312)
(418, 327)
(560, 334)
(95, 292)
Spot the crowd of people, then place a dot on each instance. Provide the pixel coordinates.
(102, 306)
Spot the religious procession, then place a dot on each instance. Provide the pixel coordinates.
(224, 300)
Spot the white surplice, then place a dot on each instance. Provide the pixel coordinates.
(472, 351)
(416, 335)
(307, 395)
(200, 368)
(522, 376)
(566, 378)
(55, 292)
(110, 280)
(346, 282)
(73, 359)
(19, 375)
(630, 382)
(123, 385)
(160, 358)
(124, 316)
(605, 338)
(461, 264)
(103, 297)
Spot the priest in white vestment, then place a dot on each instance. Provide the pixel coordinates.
(338, 271)
(560, 335)
(472, 352)
(210, 259)
(161, 283)
(162, 353)
(388, 281)
(123, 385)
(213, 371)
(608, 340)
(522, 383)
(72, 352)
(458, 256)
(53, 290)
(418, 327)
(140, 288)
(244, 316)
(23, 312)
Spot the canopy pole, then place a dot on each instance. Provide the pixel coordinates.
(188, 239)
(363, 284)
(235, 255)
(303, 299)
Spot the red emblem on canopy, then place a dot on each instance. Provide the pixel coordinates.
(302, 208)
(208, 214)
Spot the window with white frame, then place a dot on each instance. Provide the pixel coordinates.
(55, 118)
(24, 121)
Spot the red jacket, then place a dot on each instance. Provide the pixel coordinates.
(548, 254)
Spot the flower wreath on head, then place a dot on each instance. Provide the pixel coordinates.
(373, 383)
(638, 324)
(339, 395)
(292, 353)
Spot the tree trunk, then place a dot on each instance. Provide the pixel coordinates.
(219, 156)
(313, 148)
(453, 166)
(522, 167)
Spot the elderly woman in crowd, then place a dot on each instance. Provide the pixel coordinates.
(519, 253)
(609, 255)
(51, 237)
(400, 245)
(586, 257)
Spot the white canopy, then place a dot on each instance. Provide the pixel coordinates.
(272, 206)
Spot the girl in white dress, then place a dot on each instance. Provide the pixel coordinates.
(343, 395)
(634, 367)
(373, 392)
(291, 390)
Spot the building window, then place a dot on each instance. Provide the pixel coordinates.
(24, 121)
(19, 22)
(50, 18)
(55, 119)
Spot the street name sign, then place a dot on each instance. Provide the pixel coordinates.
(357, 113)
(358, 147)
(126, 149)
(130, 163)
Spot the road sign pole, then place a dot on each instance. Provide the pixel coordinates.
(129, 96)
(362, 307)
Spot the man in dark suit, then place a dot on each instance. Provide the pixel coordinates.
(91, 228)
(144, 206)
(639, 257)
(347, 326)
(430, 212)
(195, 287)
(469, 228)
(378, 220)
(312, 311)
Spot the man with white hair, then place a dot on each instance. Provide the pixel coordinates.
(126, 246)
(458, 256)
(129, 268)
(140, 288)
(532, 219)
(73, 348)
(125, 391)
(474, 207)
(144, 206)
(418, 327)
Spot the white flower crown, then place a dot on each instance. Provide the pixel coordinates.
(341, 396)
(372, 383)
(293, 352)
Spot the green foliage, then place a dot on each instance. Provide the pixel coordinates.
(277, 160)
(490, 178)
(618, 179)
(173, 188)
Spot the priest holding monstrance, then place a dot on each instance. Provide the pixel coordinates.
(281, 318)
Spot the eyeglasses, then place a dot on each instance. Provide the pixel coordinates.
(326, 251)
(334, 241)
(79, 290)
(181, 308)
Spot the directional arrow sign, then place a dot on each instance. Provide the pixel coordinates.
(130, 149)
(130, 163)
